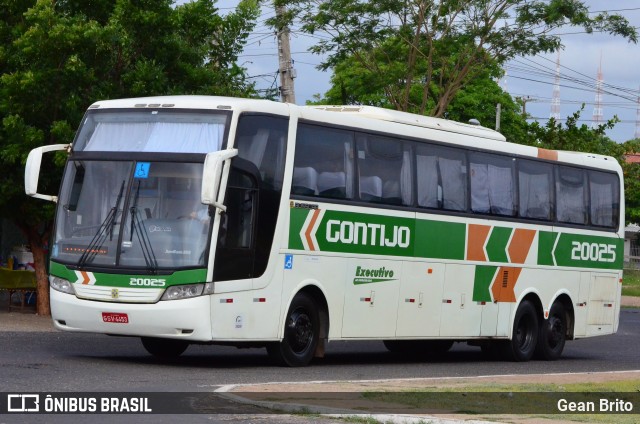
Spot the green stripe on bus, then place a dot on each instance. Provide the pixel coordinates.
(124, 280)
(349, 232)
(297, 218)
(576, 250)
(482, 283)
(546, 240)
(440, 240)
(497, 244)
(361, 233)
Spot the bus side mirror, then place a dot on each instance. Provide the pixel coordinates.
(32, 170)
(212, 176)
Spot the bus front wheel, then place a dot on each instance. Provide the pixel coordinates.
(301, 333)
(552, 334)
(164, 348)
(524, 338)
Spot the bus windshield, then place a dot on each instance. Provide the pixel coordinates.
(133, 214)
(165, 131)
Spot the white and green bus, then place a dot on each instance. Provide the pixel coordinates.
(195, 219)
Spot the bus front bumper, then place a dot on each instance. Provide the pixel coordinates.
(187, 319)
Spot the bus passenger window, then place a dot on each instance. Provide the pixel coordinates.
(323, 164)
(492, 187)
(384, 170)
(441, 178)
(604, 191)
(571, 195)
(535, 181)
(305, 181)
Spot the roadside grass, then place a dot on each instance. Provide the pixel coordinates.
(481, 400)
(631, 282)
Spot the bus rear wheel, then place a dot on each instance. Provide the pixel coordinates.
(552, 334)
(164, 348)
(301, 334)
(524, 338)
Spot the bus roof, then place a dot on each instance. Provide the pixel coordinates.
(415, 120)
(493, 139)
(195, 102)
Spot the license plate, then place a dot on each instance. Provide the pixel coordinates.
(115, 317)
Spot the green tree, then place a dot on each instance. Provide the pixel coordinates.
(573, 136)
(581, 138)
(58, 57)
(425, 51)
(631, 182)
(353, 83)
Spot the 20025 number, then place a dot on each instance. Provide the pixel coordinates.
(593, 252)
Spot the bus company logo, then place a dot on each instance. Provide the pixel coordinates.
(368, 234)
(321, 227)
(23, 403)
(373, 275)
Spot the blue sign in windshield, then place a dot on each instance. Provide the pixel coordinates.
(142, 170)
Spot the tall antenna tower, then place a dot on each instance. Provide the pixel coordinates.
(597, 111)
(637, 134)
(555, 102)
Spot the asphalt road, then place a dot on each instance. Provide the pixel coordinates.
(58, 361)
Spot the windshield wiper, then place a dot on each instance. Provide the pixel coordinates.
(137, 228)
(106, 228)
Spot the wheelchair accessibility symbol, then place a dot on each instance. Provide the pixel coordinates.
(288, 262)
(142, 170)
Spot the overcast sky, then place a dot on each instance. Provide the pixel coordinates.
(529, 77)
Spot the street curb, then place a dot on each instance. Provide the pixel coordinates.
(298, 408)
(348, 386)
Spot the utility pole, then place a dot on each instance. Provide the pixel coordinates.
(523, 101)
(555, 103)
(597, 110)
(498, 113)
(287, 73)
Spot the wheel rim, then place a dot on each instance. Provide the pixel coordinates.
(299, 331)
(524, 334)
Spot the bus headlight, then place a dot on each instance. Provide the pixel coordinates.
(186, 291)
(61, 285)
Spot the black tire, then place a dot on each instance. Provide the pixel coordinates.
(419, 347)
(552, 334)
(301, 334)
(524, 338)
(164, 348)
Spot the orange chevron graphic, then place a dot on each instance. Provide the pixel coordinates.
(307, 234)
(475, 242)
(520, 245)
(504, 284)
(502, 287)
(85, 277)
